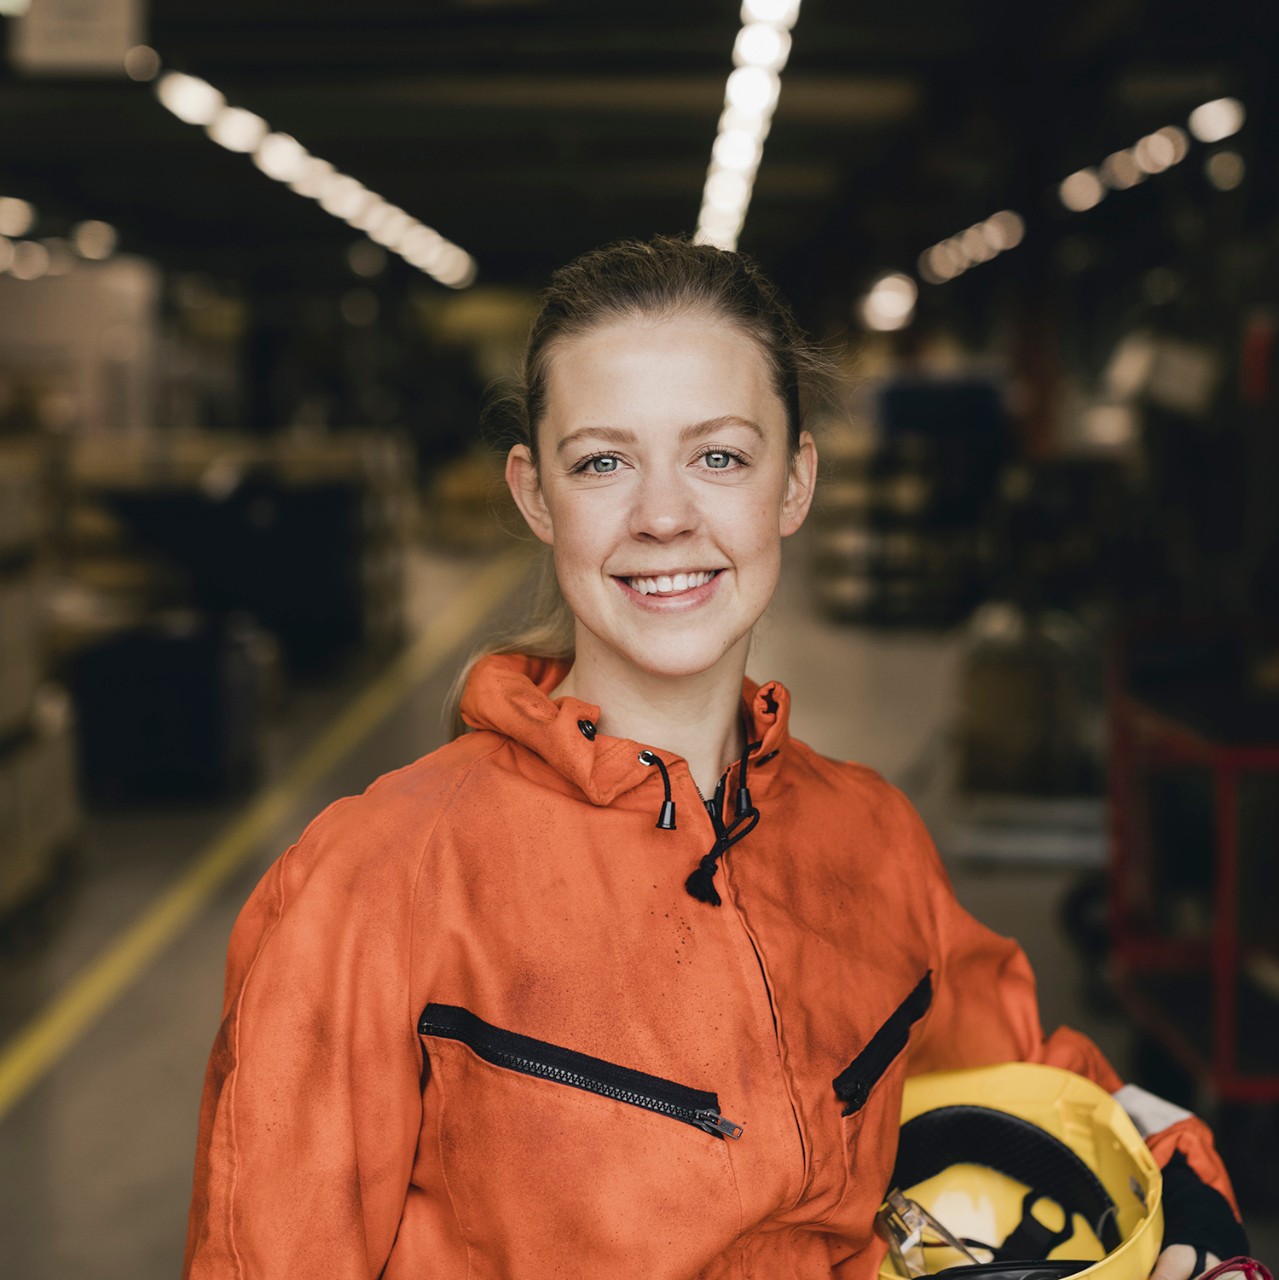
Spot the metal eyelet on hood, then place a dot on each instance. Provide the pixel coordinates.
(665, 819)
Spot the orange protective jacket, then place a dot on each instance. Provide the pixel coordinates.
(476, 1027)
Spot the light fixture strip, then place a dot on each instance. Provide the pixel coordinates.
(284, 159)
(982, 242)
(1211, 122)
(1086, 188)
(750, 98)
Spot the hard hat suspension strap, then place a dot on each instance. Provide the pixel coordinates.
(946, 1136)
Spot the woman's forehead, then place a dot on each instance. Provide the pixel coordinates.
(687, 368)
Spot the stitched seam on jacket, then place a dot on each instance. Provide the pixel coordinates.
(410, 1013)
(737, 1191)
(233, 1076)
(444, 1178)
(780, 1034)
(925, 847)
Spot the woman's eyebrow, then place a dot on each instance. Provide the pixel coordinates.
(694, 431)
(610, 435)
(699, 429)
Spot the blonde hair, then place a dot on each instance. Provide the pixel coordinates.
(634, 279)
(550, 630)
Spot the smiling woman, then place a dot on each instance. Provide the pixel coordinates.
(626, 981)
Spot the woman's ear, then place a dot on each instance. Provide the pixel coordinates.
(800, 483)
(526, 489)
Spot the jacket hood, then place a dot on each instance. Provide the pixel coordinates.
(510, 694)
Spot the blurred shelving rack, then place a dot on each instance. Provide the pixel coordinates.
(1193, 874)
(306, 531)
(902, 536)
(39, 807)
(199, 570)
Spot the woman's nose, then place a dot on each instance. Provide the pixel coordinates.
(662, 508)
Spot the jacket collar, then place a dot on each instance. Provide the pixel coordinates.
(510, 694)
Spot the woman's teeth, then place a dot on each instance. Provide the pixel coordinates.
(671, 584)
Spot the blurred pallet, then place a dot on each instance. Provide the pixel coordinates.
(173, 709)
(1030, 711)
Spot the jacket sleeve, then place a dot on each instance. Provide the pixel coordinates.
(985, 1010)
(312, 1101)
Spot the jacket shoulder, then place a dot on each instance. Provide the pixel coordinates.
(384, 830)
(856, 792)
(849, 777)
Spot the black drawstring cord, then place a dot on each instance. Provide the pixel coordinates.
(666, 819)
(701, 882)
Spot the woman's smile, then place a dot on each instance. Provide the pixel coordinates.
(667, 593)
(668, 583)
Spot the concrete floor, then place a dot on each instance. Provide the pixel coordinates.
(96, 1159)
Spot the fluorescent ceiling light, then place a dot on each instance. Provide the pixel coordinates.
(191, 99)
(237, 129)
(281, 157)
(284, 159)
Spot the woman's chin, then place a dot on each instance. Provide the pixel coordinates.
(672, 658)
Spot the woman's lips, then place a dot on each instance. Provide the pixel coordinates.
(666, 584)
(660, 590)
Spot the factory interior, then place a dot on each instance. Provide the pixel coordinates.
(267, 271)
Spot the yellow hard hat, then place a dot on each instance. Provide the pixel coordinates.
(1019, 1162)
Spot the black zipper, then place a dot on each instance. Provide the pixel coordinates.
(566, 1066)
(854, 1083)
(714, 806)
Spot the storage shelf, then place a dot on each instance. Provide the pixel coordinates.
(1204, 753)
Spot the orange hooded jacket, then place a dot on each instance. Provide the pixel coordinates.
(476, 1027)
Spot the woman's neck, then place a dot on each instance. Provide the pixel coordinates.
(697, 717)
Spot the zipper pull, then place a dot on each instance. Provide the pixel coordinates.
(713, 1122)
(856, 1096)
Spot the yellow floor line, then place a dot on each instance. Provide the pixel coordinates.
(39, 1045)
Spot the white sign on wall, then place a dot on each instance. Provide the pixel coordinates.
(76, 37)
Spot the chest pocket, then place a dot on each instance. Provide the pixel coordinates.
(547, 1061)
(869, 1132)
(854, 1083)
(540, 1145)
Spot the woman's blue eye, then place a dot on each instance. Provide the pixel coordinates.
(718, 460)
(602, 466)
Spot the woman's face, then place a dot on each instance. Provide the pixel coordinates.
(664, 484)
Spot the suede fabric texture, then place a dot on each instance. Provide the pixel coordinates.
(517, 873)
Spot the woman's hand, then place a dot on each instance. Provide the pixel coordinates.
(1177, 1262)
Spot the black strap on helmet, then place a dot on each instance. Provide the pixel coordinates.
(945, 1136)
(1040, 1270)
